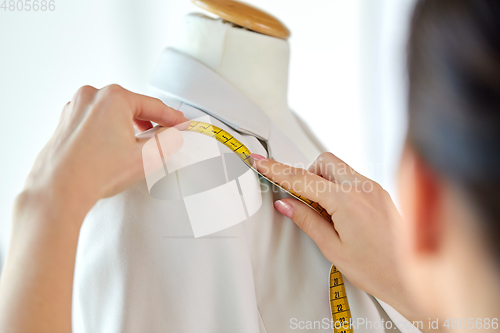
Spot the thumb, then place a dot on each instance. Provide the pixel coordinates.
(321, 231)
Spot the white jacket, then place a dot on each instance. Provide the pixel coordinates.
(140, 269)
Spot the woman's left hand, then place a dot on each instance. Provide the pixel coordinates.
(93, 154)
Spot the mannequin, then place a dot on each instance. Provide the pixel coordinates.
(140, 267)
(254, 63)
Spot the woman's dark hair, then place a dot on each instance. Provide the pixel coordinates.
(454, 99)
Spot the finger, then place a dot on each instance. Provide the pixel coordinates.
(143, 125)
(84, 93)
(152, 109)
(145, 107)
(301, 181)
(332, 168)
(82, 98)
(321, 231)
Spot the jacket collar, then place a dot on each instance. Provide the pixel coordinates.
(188, 80)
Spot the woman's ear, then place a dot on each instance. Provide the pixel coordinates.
(421, 193)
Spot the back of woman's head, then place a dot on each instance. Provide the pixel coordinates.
(454, 99)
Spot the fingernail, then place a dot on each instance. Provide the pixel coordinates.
(284, 208)
(257, 157)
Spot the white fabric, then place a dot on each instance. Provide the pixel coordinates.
(140, 268)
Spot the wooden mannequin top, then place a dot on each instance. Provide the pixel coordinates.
(254, 63)
(246, 16)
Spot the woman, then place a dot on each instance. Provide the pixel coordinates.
(448, 261)
(441, 262)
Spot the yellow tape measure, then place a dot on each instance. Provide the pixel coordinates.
(341, 314)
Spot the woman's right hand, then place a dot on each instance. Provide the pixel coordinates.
(360, 240)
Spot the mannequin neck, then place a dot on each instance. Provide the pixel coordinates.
(255, 64)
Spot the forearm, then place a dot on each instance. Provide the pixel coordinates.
(36, 284)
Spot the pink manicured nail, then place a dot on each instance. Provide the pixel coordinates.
(284, 208)
(257, 157)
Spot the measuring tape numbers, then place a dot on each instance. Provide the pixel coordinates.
(339, 306)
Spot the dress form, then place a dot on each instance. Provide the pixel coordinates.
(254, 63)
